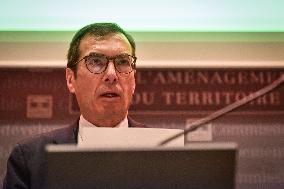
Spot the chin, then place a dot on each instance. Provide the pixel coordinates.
(113, 110)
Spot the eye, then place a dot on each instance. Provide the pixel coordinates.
(96, 61)
(123, 61)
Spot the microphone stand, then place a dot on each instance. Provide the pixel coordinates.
(198, 123)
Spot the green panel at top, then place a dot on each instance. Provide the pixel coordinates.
(146, 15)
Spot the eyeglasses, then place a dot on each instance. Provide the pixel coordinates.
(97, 63)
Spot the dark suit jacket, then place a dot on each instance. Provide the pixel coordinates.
(26, 167)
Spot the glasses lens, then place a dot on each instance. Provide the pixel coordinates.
(96, 63)
(123, 63)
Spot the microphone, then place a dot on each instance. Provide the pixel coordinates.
(198, 123)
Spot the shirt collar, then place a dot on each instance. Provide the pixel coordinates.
(84, 123)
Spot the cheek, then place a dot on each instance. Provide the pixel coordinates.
(86, 87)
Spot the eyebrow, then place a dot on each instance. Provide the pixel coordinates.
(101, 54)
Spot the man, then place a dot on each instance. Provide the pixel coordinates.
(100, 72)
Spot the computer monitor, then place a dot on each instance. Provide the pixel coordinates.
(196, 166)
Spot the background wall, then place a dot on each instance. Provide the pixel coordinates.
(154, 49)
(178, 80)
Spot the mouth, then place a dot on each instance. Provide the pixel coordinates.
(110, 95)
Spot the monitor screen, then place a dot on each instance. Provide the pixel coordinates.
(148, 15)
(198, 166)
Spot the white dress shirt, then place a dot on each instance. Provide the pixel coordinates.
(84, 123)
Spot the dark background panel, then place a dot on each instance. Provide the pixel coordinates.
(34, 101)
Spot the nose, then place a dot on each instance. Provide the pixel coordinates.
(110, 75)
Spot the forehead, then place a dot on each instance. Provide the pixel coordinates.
(111, 44)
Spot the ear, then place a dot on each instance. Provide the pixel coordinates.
(134, 86)
(133, 89)
(70, 77)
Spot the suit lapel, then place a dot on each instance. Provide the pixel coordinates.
(133, 123)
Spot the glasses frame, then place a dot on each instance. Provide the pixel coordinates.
(109, 58)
